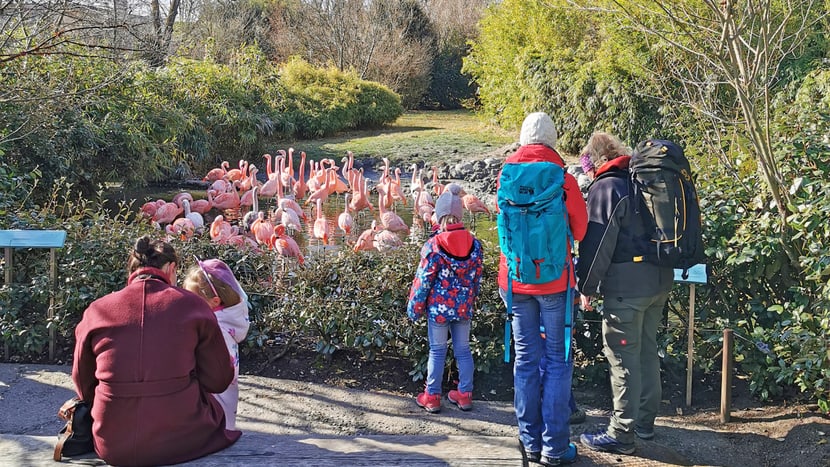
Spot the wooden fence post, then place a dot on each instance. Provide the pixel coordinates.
(726, 378)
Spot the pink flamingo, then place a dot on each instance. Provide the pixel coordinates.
(395, 188)
(227, 200)
(366, 240)
(391, 221)
(437, 187)
(149, 208)
(285, 245)
(386, 240)
(300, 187)
(322, 230)
(166, 213)
(323, 192)
(262, 229)
(288, 202)
(344, 220)
(181, 228)
(202, 206)
(248, 196)
(474, 205)
(235, 175)
(179, 197)
(217, 173)
(220, 229)
(360, 199)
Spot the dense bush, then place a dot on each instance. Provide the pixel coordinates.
(323, 101)
(546, 56)
(91, 121)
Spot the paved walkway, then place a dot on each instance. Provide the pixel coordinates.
(291, 423)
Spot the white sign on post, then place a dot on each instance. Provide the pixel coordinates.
(694, 275)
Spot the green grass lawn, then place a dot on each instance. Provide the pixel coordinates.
(414, 137)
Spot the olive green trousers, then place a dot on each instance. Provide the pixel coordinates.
(629, 333)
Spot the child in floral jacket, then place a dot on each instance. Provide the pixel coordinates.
(445, 288)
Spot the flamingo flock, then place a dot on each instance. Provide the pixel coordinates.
(312, 185)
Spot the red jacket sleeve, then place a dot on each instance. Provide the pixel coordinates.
(577, 209)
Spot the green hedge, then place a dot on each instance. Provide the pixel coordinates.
(91, 121)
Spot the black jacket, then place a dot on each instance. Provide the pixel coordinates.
(609, 254)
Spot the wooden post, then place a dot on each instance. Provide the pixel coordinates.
(8, 256)
(726, 378)
(690, 350)
(50, 313)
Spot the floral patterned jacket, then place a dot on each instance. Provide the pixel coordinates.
(448, 277)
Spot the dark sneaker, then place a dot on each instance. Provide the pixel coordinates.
(429, 402)
(602, 441)
(567, 458)
(577, 417)
(464, 400)
(528, 456)
(643, 433)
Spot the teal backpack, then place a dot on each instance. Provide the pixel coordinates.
(534, 234)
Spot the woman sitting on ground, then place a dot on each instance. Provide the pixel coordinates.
(148, 357)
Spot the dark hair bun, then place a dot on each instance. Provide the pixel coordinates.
(142, 246)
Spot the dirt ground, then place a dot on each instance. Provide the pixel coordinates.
(779, 433)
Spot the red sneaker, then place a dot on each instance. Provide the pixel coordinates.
(429, 402)
(464, 400)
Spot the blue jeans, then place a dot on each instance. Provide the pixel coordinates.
(541, 402)
(438, 336)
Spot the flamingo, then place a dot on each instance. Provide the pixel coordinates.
(194, 217)
(181, 228)
(220, 229)
(149, 208)
(250, 181)
(323, 192)
(227, 200)
(285, 245)
(386, 240)
(262, 229)
(366, 240)
(247, 198)
(321, 225)
(360, 200)
(236, 175)
(300, 188)
(474, 205)
(214, 174)
(179, 197)
(251, 215)
(344, 220)
(287, 216)
(167, 212)
(202, 206)
(437, 187)
(395, 188)
(288, 202)
(391, 221)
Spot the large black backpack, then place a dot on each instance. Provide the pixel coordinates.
(668, 203)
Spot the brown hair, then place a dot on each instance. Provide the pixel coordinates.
(196, 281)
(151, 253)
(602, 147)
(448, 219)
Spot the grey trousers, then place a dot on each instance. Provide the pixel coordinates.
(629, 333)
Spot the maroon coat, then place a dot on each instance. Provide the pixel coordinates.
(148, 356)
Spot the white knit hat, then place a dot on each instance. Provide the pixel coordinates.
(538, 128)
(449, 203)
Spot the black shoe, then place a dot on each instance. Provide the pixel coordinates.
(528, 456)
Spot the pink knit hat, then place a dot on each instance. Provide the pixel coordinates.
(587, 163)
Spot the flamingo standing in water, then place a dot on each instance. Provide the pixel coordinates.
(321, 224)
(287, 216)
(395, 188)
(391, 221)
(437, 187)
(345, 220)
(262, 229)
(300, 188)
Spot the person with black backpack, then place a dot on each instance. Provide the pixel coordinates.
(612, 263)
(541, 212)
